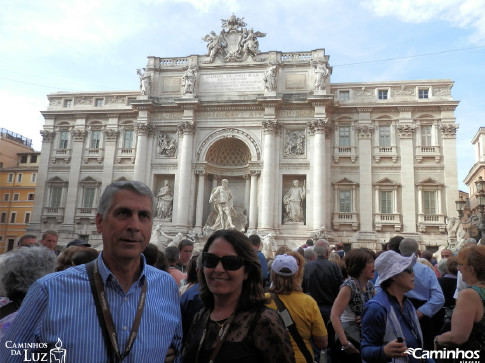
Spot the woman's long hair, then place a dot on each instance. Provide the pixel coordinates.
(252, 288)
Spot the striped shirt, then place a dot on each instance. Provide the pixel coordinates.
(61, 306)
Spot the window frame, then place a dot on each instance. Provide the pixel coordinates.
(344, 136)
(345, 204)
(13, 217)
(389, 203)
(63, 141)
(382, 94)
(385, 138)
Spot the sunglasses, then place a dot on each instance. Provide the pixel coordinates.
(409, 270)
(230, 263)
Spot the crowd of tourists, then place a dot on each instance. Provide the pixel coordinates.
(132, 302)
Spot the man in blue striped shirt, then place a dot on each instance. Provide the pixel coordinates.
(139, 313)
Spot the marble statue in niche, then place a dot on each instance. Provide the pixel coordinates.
(165, 202)
(293, 202)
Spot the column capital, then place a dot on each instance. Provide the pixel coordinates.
(47, 136)
(319, 125)
(255, 173)
(144, 129)
(78, 134)
(449, 131)
(270, 125)
(406, 131)
(186, 127)
(364, 131)
(200, 172)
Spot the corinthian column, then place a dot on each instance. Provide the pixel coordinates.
(319, 173)
(47, 140)
(201, 176)
(268, 175)
(186, 132)
(253, 200)
(143, 130)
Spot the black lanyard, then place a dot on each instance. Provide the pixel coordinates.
(104, 312)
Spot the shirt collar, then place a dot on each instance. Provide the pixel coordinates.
(106, 274)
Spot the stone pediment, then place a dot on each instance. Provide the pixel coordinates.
(57, 180)
(386, 181)
(344, 181)
(89, 180)
(429, 182)
(234, 43)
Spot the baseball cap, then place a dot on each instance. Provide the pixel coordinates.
(284, 265)
(78, 242)
(391, 263)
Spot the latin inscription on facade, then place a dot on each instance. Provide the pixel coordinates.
(231, 82)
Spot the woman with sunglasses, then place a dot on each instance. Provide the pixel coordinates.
(468, 319)
(390, 323)
(235, 325)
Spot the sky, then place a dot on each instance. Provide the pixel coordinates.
(96, 45)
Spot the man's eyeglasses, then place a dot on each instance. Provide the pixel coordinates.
(409, 270)
(230, 263)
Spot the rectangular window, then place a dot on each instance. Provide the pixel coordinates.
(33, 178)
(386, 201)
(382, 94)
(33, 159)
(3, 218)
(27, 218)
(19, 178)
(384, 135)
(88, 197)
(429, 202)
(63, 139)
(6, 197)
(423, 93)
(344, 136)
(426, 136)
(95, 139)
(67, 103)
(16, 196)
(13, 217)
(10, 178)
(23, 159)
(128, 139)
(99, 102)
(343, 95)
(31, 196)
(345, 201)
(56, 195)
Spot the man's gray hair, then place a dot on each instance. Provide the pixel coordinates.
(408, 246)
(441, 267)
(113, 188)
(321, 248)
(309, 252)
(22, 267)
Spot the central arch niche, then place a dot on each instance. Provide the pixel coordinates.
(228, 153)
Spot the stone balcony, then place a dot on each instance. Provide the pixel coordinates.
(382, 152)
(427, 221)
(382, 220)
(342, 219)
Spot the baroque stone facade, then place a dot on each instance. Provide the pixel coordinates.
(376, 158)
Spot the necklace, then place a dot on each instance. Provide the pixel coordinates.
(221, 323)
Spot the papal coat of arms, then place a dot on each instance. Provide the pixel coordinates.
(234, 43)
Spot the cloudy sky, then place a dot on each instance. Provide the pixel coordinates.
(96, 45)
